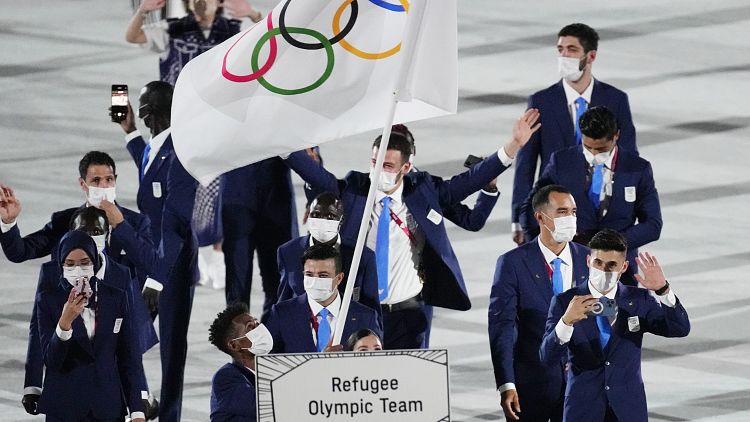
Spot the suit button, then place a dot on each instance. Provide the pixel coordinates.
(606, 363)
(606, 387)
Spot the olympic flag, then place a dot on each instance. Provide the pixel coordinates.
(312, 71)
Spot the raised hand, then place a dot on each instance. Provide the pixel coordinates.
(523, 128)
(114, 215)
(241, 8)
(10, 206)
(72, 309)
(151, 5)
(653, 276)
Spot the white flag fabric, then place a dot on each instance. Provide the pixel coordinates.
(312, 71)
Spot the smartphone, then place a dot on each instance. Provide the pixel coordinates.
(79, 286)
(119, 103)
(472, 160)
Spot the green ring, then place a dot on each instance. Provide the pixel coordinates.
(305, 31)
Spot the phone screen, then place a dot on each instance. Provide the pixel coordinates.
(119, 109)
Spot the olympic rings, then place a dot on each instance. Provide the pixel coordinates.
(257, 72)
(285, 31)
(305, 31)
(316, 46)
(390, 6)
(336, 24)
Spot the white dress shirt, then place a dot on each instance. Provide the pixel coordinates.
(565, 332)
(156, 143)
(571, 95)
(333, 311)
(566, 266)
(403, 255)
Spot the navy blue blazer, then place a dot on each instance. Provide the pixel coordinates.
(519, 303)
(176, 257)
(423, 194)
(44, 241)
(569, 167)
(150, 199)
(470, 219)
(233, 394)
(618, 366)
(90, 375)
(289, 258)
(291, 327)
(557, 132)
(264, 187)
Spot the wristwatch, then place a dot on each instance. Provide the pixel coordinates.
(663, 290)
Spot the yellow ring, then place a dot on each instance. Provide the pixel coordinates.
(357, 52)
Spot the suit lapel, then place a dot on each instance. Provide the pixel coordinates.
(537, 267)
(622, 298)
(81, 335)
(161, 157)
(563, 117)
(621, 180)
(303, 324)
(580, 269)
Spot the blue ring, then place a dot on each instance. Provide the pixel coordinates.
(390, 6)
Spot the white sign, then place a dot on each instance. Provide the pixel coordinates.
(370, 386)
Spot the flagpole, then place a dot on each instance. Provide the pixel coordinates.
(400, 93)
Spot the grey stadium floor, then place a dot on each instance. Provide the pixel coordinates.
(684, 64)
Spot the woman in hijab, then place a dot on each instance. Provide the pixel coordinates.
(91, 358)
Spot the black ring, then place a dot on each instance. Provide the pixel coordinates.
(317, 46)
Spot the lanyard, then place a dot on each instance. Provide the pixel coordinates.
(403, 227)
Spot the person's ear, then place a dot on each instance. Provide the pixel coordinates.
(233, 345)
(539, 218)
(406, 168)
(338, 279)
(592, 56)
(588, 261)
(625, 266)
(617, 136)
(82, 183)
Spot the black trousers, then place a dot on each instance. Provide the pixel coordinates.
(406, 328)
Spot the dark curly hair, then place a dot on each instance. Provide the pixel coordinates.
(221, 329)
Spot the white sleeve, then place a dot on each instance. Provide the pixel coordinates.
(157, 38)
(5, 228)
(63, 334)
(504, 158)
(507, 386)
(668, 299)
(564, 332)
(153, 284)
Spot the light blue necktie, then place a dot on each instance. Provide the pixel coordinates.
(605, 330)
(144, 160)
(557, 278)
(324, 329)
(597, 180)
(381, 248)
(580, 108)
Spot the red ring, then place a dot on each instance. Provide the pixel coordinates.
(262, 71)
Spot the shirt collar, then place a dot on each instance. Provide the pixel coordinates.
(565, 255)
(157, 141)
(589, 157)
(333, 308)
(610, 295)
(396, 196)
(338, 240)
(571, 95)
(103, 268)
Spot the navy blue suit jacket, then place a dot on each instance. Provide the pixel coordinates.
(264, 187)
(569, 167)
(151, 200)
(291, 328)
(557, 132)
(233, 394)
(289, 257)
(90, 375)
(519, 303)
(177, 254)
(618, 366)
(470, 219)
(444, 284)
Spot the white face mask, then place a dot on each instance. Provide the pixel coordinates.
(319, 289)
(323, 230)
(96, 195)
(565, 228)
(602, 281)
(101, 242)
(260, 339)
(387, 180)
(592, 159)
(73, 274)
(569, 68)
